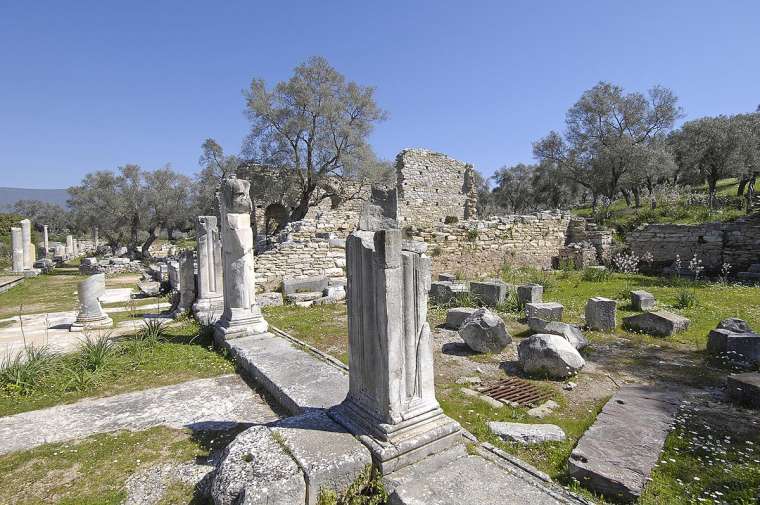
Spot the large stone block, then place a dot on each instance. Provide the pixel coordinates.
(642, 300)
(549, 354)
(304, 285)
(527, 434)
(489, 293)
(443, 292)
(659, 323)
(456, 317)
(530, 293)
(256, 470)
(569, 332)
(484, 331)
(548, 311)
(330, 457)
(601, 313)
(744, 388)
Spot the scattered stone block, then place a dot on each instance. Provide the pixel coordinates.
(744, 388)
(490, 293)
(660, 323)
(443, 292)
(549, 354)
(530, 293)
(543, 410)
(548, 311)
(415, 246)
(272, 299)
(492, 402)
(456, 317)
(256, 470)
(336, 293)
(149, 288)
(569, 332)
(601, 313)
(736, 325)
(527, 434)
(447, 277)
(616, 455)
(642, 300)
(329, 456)
(309, 296)
(307, 284)
(484, 331)
(469, 380)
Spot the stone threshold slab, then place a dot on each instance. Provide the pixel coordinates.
(297, 378)
(616, 455)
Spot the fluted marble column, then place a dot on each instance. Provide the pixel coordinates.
(45, 243)
(26, 237)
(242, 316)
(391, 404)
(17, 250)
(209, 303)
(186, 283)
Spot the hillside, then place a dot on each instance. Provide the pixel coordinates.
(9, 196)
(677, 207)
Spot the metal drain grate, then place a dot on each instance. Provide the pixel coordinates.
(515, 391)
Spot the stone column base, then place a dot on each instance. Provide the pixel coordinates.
(96, 324)
(208, 310)
(240, 327)
(399, 445)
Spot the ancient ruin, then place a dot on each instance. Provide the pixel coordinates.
(91, 315)
(209, 305)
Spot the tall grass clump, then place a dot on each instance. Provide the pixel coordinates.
(153, 331)
(367, 489)
(596, 275)
(21, 373)
(95, 352)
(686, 298)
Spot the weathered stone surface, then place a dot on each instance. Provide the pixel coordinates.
(149, 288)
(545, 409)
(273, 299)
(489, 293)
(256, 470)
(484, 331)
(26, 242)
(91, 314)
(492, 402)
(328, 455)
(616, 455)
(209, 304)
(381, 211)
(306, 296)
(642, 300)
(660, 323)
(447, 277)
(304, 285)
(744, 388)
(736, 325)
(548, 311)
(217, 403)
(391, 403)
(242, 316)
(549, 354)
(443, 292)
(456, 317)
(527, 434)
(569, 332)
(601, 313)
(530, 293)
(415, 246)
(17, 250)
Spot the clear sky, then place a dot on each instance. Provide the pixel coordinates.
(93, 85)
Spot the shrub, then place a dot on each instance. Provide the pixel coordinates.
(435, 252)
(542, 278)
(450, 220)
(596, 275)
(95, 352)
(21, 373)
(472, 235)
(566, 264)
(685, 299)
(153, 331)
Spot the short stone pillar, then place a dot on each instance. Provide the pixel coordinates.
(530, 293)
(186, 283)
(391, 405)
(26, 237)
(45, 243)
(69, 245)
(60, 251)
(601, 313)
(642, 300)
(91, 315)
(75, 246)
(17, 250)
(209, 304)
(173, 272)
(242, 316)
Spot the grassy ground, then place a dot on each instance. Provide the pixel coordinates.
(94, 470)
(130, 365)
(44, 293)
(623, 218)
(323, 326)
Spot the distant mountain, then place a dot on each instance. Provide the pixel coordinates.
(9, 196)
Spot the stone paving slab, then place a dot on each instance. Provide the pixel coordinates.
(455, 477)
(616, 455)
(297, 379)
(204, 404)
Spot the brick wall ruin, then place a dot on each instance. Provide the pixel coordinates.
(736, 243)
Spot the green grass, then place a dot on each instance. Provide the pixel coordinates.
(94, 470)
(44, 293)
(323, 326)
(131, 365)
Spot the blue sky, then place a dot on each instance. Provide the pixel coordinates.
(93, 85)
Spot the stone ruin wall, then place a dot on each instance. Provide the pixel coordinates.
(736, 243)
(316, 245)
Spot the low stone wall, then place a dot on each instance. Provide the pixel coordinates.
(736, 243)
(478, 249)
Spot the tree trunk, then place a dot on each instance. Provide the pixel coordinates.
(594, 201)
(636, 197)
(627, 196)
(742, 185)
(750, 195)
(153, 233)
(170, 233)
(300, 211)
(712, 185)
